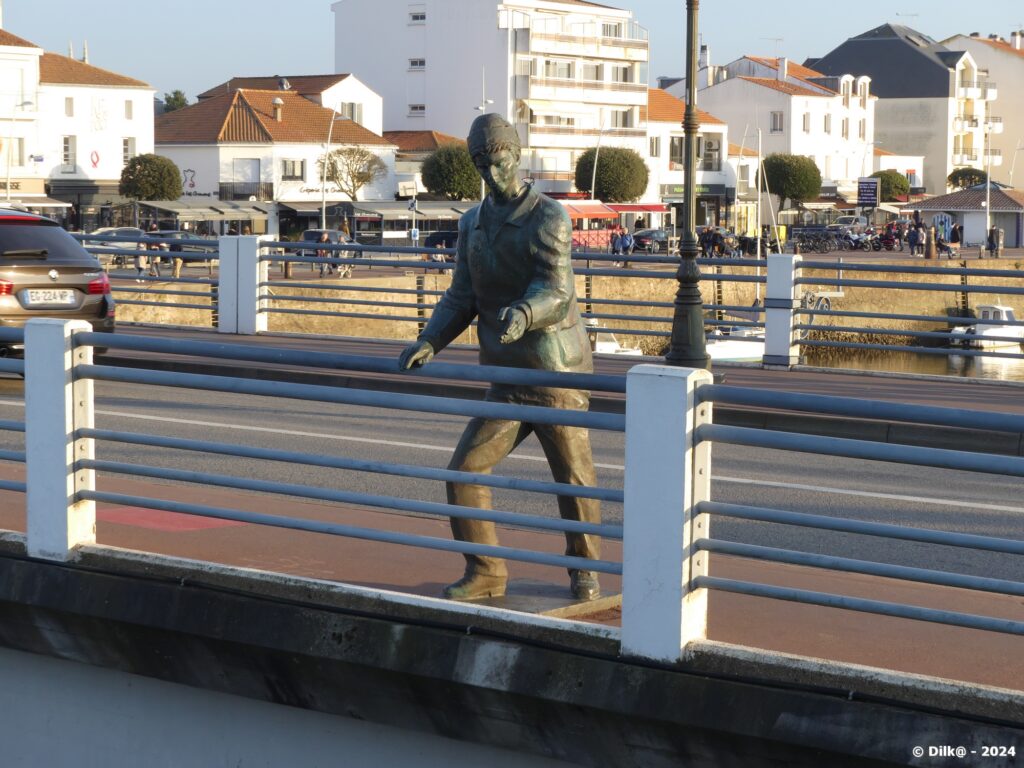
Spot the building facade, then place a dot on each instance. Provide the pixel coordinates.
(71, 128)
(568, 74)
(932, 101)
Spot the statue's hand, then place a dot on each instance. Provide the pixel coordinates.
(515, 324)
(416, 354)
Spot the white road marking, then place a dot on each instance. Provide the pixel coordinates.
(541, 458)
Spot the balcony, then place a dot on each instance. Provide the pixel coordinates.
(964, 123)
(969, 89)
(994, 125)
(964, 156)
(989, 92)
(243, 190)
(597, 85)
(564, 130)
(994, 158)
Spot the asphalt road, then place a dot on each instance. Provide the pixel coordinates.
(912, 496)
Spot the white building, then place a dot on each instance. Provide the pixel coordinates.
(798, 111)
(1004, 62)
(564, 72)
(932, 101)
(71, 127)
(263, 146)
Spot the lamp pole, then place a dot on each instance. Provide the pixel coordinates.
(687, 347)
(597, 153)
(10, 141)
(988, 178)
(323, 173)
(482, 108)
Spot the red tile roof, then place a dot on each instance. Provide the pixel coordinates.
(1001, 45)
(6, 38)
(973, 200)
(301, 84)
(247, 116)
(792, 68)
(663, 107)
(420, 141)
(784, 87)
(882, 152)
(57, 69)
(735, 150)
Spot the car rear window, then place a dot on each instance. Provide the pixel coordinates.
(20, 241)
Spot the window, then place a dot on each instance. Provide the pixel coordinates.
(622, 74)
(559, 69)
(777, 123)
(655, 150)
(846, 127)
(68, 159)
(69, 106)
(828, 124)
(675, 153)
(351, 110)
(847, 88)
(742, 179)
(712, 157)
(862, 129)
(128, 110)
(417, 63)
(417, 110)
(807, 122)
(417, 17)
(127, 150)
(611, 30)
(622, 118)
(862, 94)
(590, 72)
(293, 170)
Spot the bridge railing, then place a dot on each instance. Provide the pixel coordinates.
(669, 510)
(667, 506)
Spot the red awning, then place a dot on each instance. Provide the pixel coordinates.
(588, 209)
(639, 207)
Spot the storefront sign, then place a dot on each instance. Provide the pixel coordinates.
(706, 190)
(867, 191)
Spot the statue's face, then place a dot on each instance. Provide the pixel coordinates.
(500, 171)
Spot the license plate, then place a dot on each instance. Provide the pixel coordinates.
(51, 296)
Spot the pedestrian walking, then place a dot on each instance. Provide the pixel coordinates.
(616, 247)
(628, 244)
(326, 268)
(912, 241)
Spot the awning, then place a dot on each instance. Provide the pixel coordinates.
(208, 210)
(557, 108)
(43, 202)
(588, 209)
(638, 207)
(888, 208)
(817, 206)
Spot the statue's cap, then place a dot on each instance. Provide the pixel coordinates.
(491, 130)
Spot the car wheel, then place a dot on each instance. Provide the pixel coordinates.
(655, 246)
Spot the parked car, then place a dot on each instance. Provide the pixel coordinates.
(650, 240)
(843, 224)
(45, 272)
(118, 260)
(169, 236)
(443, 239)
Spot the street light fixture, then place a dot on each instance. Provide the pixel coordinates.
(687, 347)
(10, 141)
(323, 171)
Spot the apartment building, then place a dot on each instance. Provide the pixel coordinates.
(70, 129)
(567, 73)
(932, 100)
(1003, 60)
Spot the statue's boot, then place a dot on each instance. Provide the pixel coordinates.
(474, 586)
(584, 585)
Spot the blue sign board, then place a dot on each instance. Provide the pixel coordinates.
(867, 192)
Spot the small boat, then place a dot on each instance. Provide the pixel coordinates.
(737, 344)
(995, 329)
(603, 342)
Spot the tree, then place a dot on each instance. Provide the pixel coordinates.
(792, 177)
(621, 174)
(449, 171)
(150, 177)
(175, 100)
(893, 185)
(352, 168)
(962, 178)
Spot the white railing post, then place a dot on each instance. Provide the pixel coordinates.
(56, 404)
(667, 474)
(781, 347)
(250, 272)
(227, 284)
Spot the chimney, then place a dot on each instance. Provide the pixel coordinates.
(783, 72)
(975, 34)
(85, 51)
(704, 60)
(1015, 40)
(278, 103)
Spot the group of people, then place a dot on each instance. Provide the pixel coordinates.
(622, 245)
(712, 243)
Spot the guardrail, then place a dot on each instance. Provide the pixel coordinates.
(666, 498)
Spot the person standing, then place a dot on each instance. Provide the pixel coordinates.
(912, 241)
(627, 246)
(616, 246)
(513, 276)
(326, 268)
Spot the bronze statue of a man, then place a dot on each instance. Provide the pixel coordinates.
(514, 276)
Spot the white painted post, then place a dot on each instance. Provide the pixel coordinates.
(780, 340)
(250, 272)
(667, 475)
(227, 284)
(55, 406)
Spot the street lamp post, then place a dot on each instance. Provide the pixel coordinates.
(10, 141)
(482, 108)
(687, 347)
(323, 172)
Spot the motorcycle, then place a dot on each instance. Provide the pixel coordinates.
(856, 242)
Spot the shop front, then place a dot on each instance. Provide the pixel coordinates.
(711, 203)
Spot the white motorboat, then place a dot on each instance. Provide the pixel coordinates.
(741, 344)
(603, 342)
(994, 329)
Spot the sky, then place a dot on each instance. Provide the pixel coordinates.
(193, 45)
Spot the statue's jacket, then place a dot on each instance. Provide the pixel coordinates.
(526, 265)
